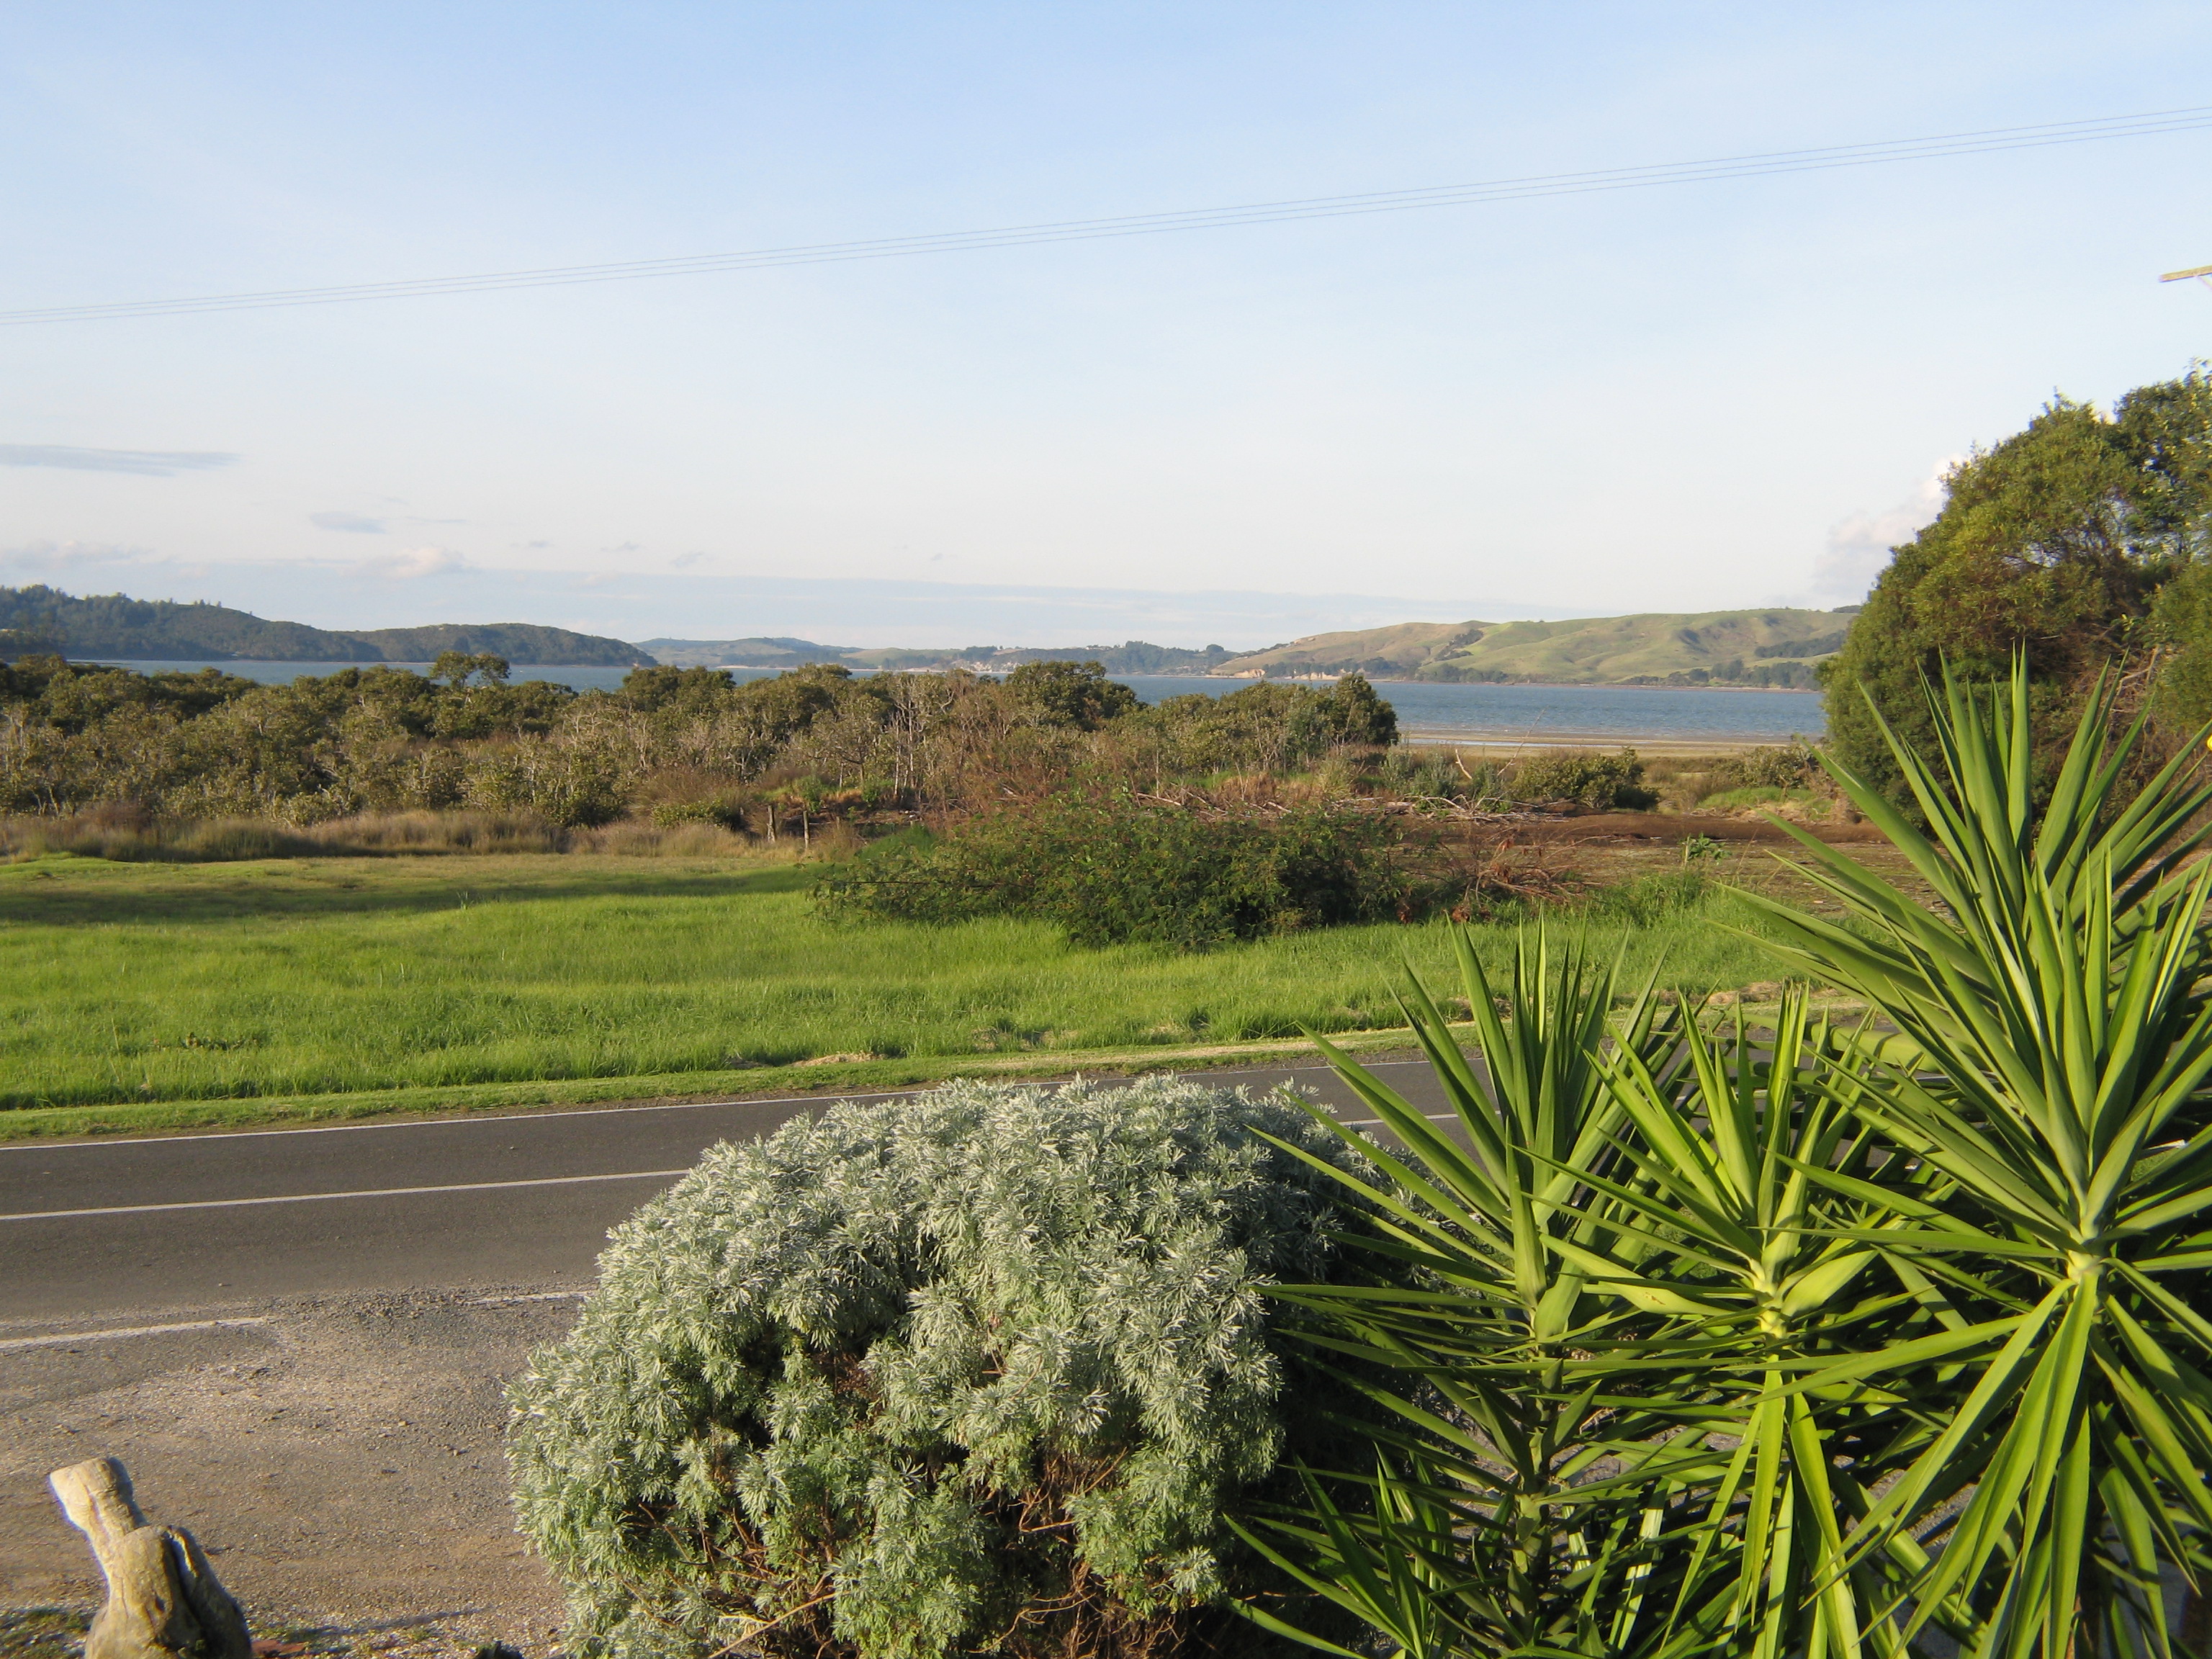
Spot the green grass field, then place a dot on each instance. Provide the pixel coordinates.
(292, 983)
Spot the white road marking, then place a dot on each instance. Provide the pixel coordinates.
(314, 1197)
(67, 1337)
(463, 1187)
(551, 1114)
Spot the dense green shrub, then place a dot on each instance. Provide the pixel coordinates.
(1356, 715)
(1793, 765)
(2182, 620)
(1116, 869)
(1437, 773)
(1584, 776)
(976, 1372)
(571, 781)
(1265, 727)
(1076, 694)
(721, 809)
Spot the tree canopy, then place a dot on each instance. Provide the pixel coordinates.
(1076, 694)
(2056, 542)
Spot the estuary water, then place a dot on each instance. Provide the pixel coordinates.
(1427, 713)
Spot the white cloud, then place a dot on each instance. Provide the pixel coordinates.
(353, 521)
(414, 563)
(63, 558)
(1859, 547)
(147, 462)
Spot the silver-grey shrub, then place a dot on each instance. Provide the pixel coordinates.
(975, 1372)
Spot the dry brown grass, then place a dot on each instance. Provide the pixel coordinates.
(131, 838)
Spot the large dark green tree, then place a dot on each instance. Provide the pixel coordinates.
(1076, 694)
(1358, 715)
(2056, 542)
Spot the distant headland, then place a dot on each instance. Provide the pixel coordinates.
(1778, 648)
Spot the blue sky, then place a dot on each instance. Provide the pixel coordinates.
(1706, 396)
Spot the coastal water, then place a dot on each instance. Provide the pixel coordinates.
(1545, 714)
(1487, 714)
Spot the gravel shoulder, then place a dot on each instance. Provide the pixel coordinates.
(339, 1456)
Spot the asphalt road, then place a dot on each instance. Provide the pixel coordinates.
(107, 1227)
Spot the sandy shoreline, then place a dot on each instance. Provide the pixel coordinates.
(1541, 685)
(1648, 743)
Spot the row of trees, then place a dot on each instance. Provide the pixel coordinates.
(677, 742)
(1788, 674)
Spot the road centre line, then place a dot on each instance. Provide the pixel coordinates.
(312, 1197)
(460, 1186)
(553, 1113)
(65, 1338)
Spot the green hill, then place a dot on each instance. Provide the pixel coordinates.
(116, 625)
(1399, 652)
(1770, 648)
(1777, 646)
(519, 642)
(756, 653)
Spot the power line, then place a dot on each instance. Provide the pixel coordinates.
(1767, 164)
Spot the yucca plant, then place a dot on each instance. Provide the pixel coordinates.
(1757, 1269)
(1514, 1512)
(2047, 1091)
(1792, 1343)
(1686, 1498)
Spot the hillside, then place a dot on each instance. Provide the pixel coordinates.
(1770, 647)
(1396, 652)
(1778, 647)
(757, 653)
(525, 643)
(115, 625)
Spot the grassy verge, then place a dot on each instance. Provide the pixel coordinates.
(847, 1078)
(142, 996)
